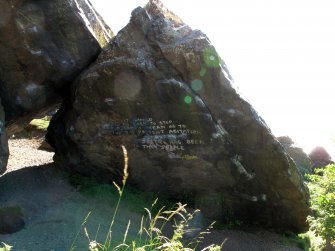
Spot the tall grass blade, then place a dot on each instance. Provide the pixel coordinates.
(120, 190)
(126, 233)
(125, 169)
(76, 237)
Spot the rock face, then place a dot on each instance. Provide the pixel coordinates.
(44, 45)
(320, 157)
(161, 90)
(3, 141)
(301, 159)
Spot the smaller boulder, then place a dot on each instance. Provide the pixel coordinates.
(320, 157)
(11, 220)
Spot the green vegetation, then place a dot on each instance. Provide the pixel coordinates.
(322, 190)
(134, 200)
(150, 234)
(41, 124)
(301, 240)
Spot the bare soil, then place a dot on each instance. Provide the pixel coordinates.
(54, 210)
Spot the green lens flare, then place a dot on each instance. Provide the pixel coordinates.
(188, 100)
(197, 85)
(211, 58)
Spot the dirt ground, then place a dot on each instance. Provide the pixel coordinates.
(54, 210)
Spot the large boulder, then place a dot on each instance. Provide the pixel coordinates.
(301, 159)
(44, 45)
(161, 90)
(3, 141)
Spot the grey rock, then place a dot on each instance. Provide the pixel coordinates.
(44, 45)
(161, 90)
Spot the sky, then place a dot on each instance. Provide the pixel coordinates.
(281, 54)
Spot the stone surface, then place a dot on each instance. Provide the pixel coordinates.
(301, 159)
(4, 152)
(320, 157)
(161, 90)
(11, 220)
(44, 45)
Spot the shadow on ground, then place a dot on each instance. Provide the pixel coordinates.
(54, 211)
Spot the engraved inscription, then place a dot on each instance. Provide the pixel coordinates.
(165, 135)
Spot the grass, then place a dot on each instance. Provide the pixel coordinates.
(301, 240)
(151, 230)
(151, 233)
(160, 228)
(133, 199)
(41, 124)
(5, 247)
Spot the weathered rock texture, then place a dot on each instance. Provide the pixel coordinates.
(44, 45)
(3, 141)
(303, 162)
(161, 90)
